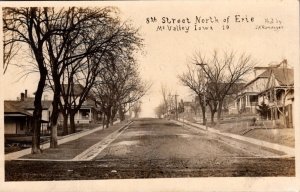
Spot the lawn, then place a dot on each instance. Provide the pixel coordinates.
(241, 125)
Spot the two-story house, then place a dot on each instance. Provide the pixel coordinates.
(279, 94)
(88, 111)
(247, 99)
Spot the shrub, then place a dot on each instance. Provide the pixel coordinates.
(263, 110)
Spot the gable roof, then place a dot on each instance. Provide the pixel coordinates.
(10, 107)
(28, 103)
(284, 76)
(78, 89)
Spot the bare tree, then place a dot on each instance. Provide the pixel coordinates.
(223, 73)
(117, 87)
(137, 108)
(159, 110)
(28, 27)
(10, 46)
(167, 99)
(59, 38)
(118, 40)
(194, 78)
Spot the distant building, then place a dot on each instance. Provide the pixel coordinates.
(88, 112)
(188, 106)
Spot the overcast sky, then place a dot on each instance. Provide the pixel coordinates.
(167, 52)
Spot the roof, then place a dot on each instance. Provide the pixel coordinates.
(10, 107)
(284, 76)
(28, 103)
(77, 90)
(264, 74)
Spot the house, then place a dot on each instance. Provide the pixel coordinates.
(18, 115)
(88, 112)
(16, 120)
(188, 106)
(250, 97)
(247, 99)
(275, 87)
(279, 94)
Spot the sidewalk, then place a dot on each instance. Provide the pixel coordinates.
(289, 151)
(68, 146)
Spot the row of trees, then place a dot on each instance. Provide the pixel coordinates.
(213, 79)
(87, 46)
(168, 104)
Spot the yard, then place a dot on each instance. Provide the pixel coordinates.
(15, 143)
(263, 130)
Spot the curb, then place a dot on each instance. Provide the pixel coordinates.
(289, 151)
(91, 152)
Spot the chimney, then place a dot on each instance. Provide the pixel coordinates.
(284, 63)
(25, 93)
(22, 96)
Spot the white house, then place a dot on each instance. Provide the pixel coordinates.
(87, 112)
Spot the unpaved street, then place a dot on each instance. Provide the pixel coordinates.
(152, 148)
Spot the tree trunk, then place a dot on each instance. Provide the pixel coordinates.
(54, 118)
(36, 132)
(72, 122)
(212, 117)
(37, 113)
(108, 117)
(56, 108)
(103, 120)
(219, 113)
(107, 122)
(202, 106)
(65, 124)
(121, 114)
(112, 117)
(53, 138)
(212, 113)
(203, 114)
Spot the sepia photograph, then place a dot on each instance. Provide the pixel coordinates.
(166, 94)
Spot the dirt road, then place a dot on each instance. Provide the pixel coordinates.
(152, 148)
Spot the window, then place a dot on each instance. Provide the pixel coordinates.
(85, 113)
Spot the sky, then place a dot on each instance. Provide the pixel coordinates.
(166, 53)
